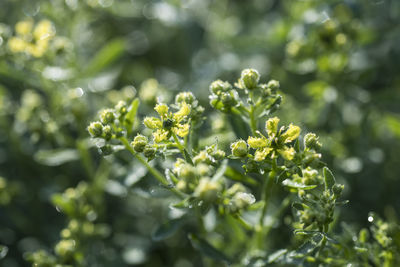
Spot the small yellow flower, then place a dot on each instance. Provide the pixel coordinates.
(33, 41)
(16, 45)
(24, 27)
(257, 142)
(169, 123)
(271, 126)
(291, 134)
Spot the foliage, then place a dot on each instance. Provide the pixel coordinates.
(247, 173)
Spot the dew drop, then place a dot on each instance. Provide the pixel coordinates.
(370, 218)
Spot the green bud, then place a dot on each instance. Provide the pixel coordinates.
(185, 97)
(249, 78)
(65, 248)
(219, 86)
(95, 129)
(239, 148)
(337, 189)
(218, 154)
(139, 143)
(242, 200)
(363, 235)
(106, 150)
(311, 141)
(207, 189)
(107, 116)
(107, 132)
(121, 107)
(203, 169)
(273, 85)
(149, 152)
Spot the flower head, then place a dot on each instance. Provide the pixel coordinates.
(169, 123)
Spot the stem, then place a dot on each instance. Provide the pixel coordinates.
(253, 122)
(151, 169)
(266, 194)
(181, 148)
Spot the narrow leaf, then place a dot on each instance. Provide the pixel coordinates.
(329, 179)
(56, 157)
(207, 249)
(106, 56)
(291, 184)
(167, 229)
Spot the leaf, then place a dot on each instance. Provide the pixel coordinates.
(3, 251)
(204, 247)
(56, 157)
(131, 115)
(276, 255)
(137, 172)
(291, 184)
(106, 56)
(329, 179)
(167, 229)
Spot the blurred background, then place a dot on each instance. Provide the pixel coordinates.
(62, 60)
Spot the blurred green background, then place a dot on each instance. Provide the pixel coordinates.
(337, 63)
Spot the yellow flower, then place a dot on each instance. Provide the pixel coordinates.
(33, 43)
(271, 126)
(16, 45)
(287, 153)
(43, 30)
(257, 142)
(169, 123)
(291, 134)
(24, 27)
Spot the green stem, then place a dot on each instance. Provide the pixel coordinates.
(266, 195)
(253, 122)
(151, 169)
(181, 148)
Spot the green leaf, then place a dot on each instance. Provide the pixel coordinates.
(131, 115)
(3, 251)
(167, 229)
(329, 179)
(276, 255)
(204, 247)
(56, 157)
(291, 184)
(109, 53)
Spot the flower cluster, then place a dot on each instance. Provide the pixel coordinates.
(32, 39)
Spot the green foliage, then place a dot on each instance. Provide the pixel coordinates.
(101, 166)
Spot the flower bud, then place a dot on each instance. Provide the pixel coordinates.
(95, 129)
(239, 148)
(242, 200)
(273, 85)
(249, 78)
(337, 189)
(311, 141)
(106, 150)
(219, 86)
(185, 97)
(65, 248)
(107, 132)
(218, 154)
(121, 107)
(139, 143)
(207, 189)
(107, 116)
(149, 152)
